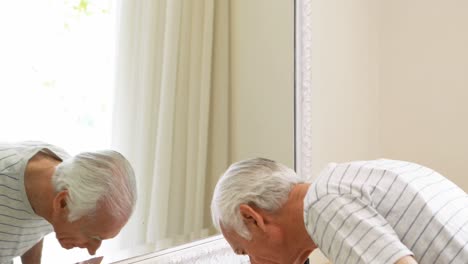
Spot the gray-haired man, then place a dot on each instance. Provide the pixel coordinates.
(380, 211)
(85, 199)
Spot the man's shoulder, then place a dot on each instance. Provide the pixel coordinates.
(338, 171)
(21, 146)
(25, 148)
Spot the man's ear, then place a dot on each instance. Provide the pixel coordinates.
(252, 218)
(60, 203)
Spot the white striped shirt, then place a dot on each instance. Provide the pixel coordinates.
(380, 211)
(20, 227)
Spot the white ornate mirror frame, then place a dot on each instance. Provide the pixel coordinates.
(303, 87)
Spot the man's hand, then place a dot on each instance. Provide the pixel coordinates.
(33, 255)
(407, 260)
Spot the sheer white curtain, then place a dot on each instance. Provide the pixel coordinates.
(166, 101)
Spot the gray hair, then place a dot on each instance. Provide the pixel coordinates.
(260, 182)
(94, 180)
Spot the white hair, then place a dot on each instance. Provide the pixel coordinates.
(95, 180)
(260, 182)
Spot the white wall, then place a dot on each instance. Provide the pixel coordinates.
(390, 79)
(424, 84)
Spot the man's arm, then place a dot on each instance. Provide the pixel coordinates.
(407, 260)
(33, 255)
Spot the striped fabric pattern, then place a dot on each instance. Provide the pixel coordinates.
(20, 227)
(379, 211)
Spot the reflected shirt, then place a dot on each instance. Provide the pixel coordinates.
(20, 227)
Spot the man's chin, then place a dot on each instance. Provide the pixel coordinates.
(65, 245)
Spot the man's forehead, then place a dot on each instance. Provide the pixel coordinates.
(100, 232)
(104, 226)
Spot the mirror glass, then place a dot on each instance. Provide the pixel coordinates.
(65, 78)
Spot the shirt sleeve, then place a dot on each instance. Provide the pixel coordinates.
(349, 230)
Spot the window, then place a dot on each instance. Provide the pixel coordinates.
(56, 72)
(56, 79)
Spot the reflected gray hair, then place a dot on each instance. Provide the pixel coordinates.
(102, 179)
(260, 182)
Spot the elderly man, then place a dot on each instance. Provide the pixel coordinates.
(380, 211)
(85, 199)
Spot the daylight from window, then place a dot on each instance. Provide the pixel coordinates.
(56, 72)
(56, 80)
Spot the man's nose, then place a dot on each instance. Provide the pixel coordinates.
(93, 247)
